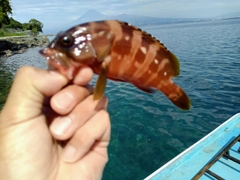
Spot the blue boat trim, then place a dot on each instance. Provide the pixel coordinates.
(223, 153)
(187, 164)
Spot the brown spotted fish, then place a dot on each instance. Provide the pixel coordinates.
(117, 51)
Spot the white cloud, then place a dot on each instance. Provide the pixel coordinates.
(57, 12)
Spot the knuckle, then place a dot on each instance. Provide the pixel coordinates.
(104, 114)
(25, 70)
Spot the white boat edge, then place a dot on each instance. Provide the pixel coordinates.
(165, 166)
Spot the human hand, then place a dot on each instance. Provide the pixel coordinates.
(51, 130)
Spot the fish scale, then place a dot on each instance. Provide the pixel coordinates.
(118, 51)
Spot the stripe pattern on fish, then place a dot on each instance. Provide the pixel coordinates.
(118, 51)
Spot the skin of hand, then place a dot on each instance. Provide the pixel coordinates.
(51, 129)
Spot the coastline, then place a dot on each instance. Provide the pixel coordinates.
(18, 44)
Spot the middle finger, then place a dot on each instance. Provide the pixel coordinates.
(64, 127)
(65, 100)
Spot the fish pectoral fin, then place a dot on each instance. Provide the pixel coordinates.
(101, 82)
(102, 42)
(145, 89)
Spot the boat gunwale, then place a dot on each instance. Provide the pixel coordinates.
(199, 145)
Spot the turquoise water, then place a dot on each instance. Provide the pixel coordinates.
(148, 130)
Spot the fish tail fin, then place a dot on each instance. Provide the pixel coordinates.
(176, 95)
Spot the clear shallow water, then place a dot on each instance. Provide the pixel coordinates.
(147, 130)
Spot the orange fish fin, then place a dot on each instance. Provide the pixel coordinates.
(101, 82)
(175, 64)
(173, 67)
(102, 42)
(145, 89)
(116, 79)
(176, 95)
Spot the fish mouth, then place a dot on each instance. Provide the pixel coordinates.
(58, 61)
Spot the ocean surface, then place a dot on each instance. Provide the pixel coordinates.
(147, 129)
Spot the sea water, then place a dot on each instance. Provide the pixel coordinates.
(147, 129)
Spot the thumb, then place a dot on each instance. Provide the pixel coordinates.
(27, 94)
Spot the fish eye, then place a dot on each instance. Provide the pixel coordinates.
(67, 41)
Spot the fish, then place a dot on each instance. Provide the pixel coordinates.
(117, 51)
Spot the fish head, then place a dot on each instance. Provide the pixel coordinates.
(70, 50)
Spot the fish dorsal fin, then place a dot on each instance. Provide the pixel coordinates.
(163, 53)
(173, 68)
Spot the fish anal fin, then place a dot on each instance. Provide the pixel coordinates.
(145, 89)
(116, 79)
(101, 82)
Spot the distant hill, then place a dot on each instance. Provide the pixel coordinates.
(90, 15)
(93, 15)
(137, 20)
(230, 15)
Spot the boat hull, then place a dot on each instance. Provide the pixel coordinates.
(191, 161)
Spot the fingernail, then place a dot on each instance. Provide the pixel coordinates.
(69, 153)
(60, 126)
(64, 100)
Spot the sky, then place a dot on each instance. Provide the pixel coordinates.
(60, 12)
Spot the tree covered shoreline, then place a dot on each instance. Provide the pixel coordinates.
(11, 27)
